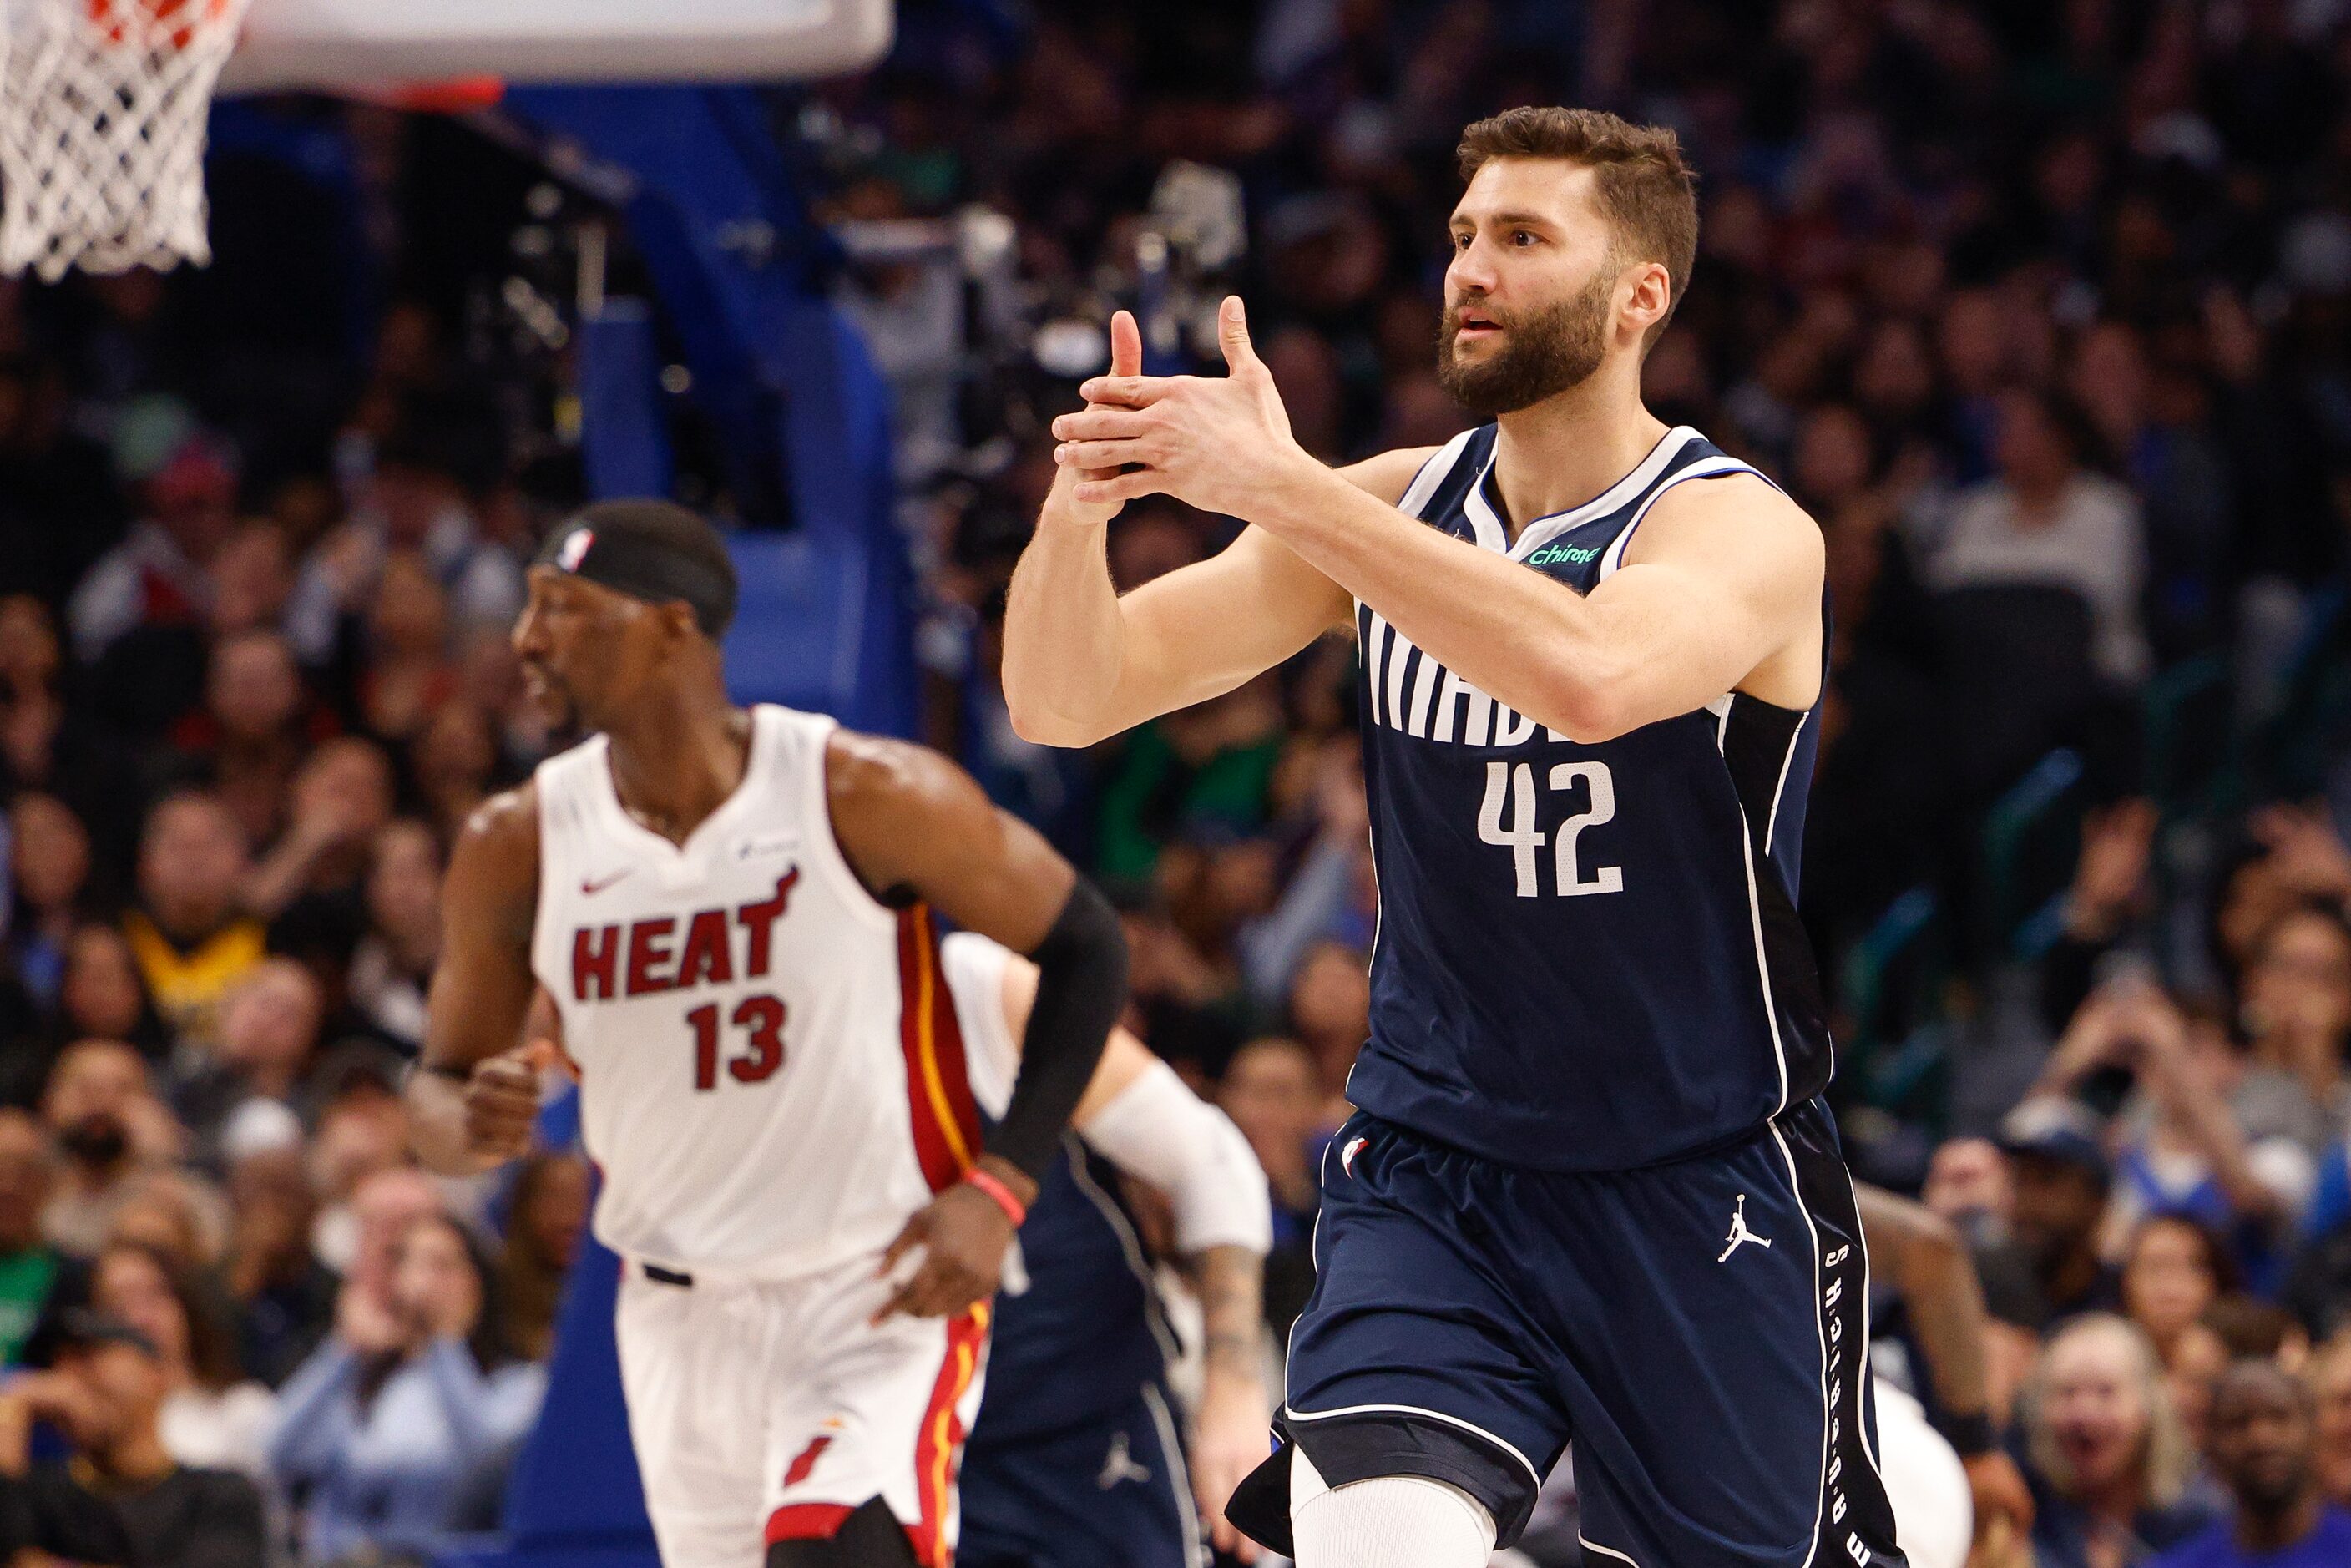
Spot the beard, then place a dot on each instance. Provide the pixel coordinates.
(1544, 351)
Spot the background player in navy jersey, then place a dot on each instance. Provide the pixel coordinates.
(1592, 1190)
(1078, 1460)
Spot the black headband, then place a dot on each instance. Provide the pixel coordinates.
(629, 562)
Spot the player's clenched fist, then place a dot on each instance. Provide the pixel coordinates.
(502, 1101)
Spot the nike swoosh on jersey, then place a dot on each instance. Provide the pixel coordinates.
(593, 888)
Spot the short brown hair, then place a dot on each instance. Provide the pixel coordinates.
(1648, 193)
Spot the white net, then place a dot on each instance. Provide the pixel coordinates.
(102, 109)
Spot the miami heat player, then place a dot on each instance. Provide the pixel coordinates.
(733, 911)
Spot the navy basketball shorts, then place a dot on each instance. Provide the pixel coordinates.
(1110, 1493)
(1699, 1329)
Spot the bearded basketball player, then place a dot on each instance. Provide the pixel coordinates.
(733, 911)
(1592, 1190)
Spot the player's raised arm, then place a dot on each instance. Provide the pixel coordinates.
(914, 825)
(474, 1096)
(1721, 586)
(1081, 664)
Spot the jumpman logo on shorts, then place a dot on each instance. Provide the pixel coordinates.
(1739, 1233)
(1119, 1465)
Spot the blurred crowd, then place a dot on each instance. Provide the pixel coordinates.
(2041, 310)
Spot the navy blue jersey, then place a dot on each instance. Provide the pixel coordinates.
(1088, 1334)
(1588, 956)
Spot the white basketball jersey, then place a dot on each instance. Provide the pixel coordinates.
(772, 1077)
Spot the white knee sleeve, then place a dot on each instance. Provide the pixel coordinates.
(1388, 1521)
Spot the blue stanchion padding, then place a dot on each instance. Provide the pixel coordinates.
(618, 369)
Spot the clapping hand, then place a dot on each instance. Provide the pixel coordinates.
(1125, 364)
(1216, 444)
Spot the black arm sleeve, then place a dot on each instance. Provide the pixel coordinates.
(1081, 991)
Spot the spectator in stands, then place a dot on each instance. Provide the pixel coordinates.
(49, 868)
(121, 1500)
(2262, 1446)
(2192, 1370)
(102, 995)
(111, 1130)
(2295, 856)
(1969, 1184)
(1331, 895)
(268, 1045)
(2109, 1458)
(456, 761)
(285, 1297)
(394, 1432)
(185, 480)
(1273, 1093)
(257, 725)
(2173, 1270)
(547, 1216)
(2297, 991)
(2181, 1149)
(64, 748)
(2329, 1376)
(2111, 891)
(2058, 1170)
(191, 933)
(1330, 1014)
(385, 1202)
(308, 877)
(252, 577)
(2047, 520)
(1178, 1001)
(32, 1272)
(439, 455)
(214, 1417)
(173, 1210)
(392, 965)
(409, 673)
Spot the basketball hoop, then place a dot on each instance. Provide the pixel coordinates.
(102, 131)
(103, 102)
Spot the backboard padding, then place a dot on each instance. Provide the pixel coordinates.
(386, 43)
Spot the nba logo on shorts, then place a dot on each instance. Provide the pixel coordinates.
(575, 550)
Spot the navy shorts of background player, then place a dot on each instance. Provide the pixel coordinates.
(1592, 1192)
(1076, 1460)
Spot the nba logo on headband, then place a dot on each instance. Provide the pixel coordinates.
(575, 548)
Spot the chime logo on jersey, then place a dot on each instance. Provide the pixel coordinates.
(652, 957)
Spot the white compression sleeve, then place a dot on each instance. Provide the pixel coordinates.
(1388, 1521)
(1160, 1133)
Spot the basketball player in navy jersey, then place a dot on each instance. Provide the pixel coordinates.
(1591, 1191)
(1078, 1460)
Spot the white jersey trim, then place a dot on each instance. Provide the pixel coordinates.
(823, 841)
(1706, 468)
(1551, 524)
(1432, 473)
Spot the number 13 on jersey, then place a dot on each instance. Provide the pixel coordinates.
(1511, 786)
